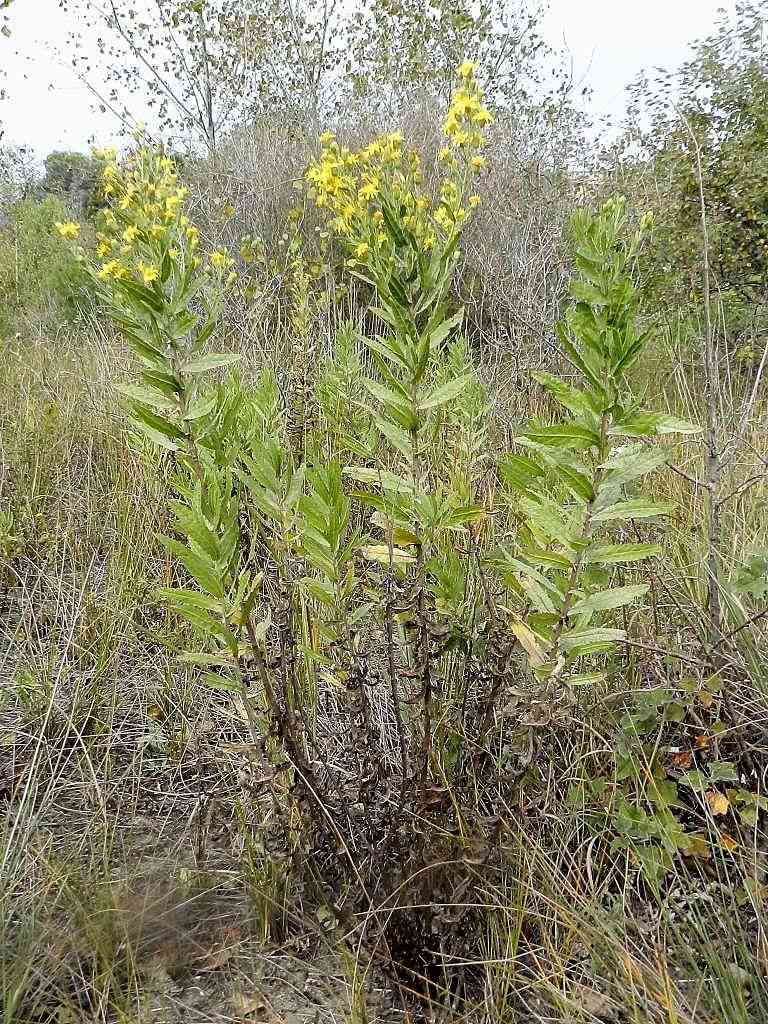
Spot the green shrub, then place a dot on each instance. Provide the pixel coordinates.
(39, 275)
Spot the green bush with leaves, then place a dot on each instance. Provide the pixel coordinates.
(575, 483)
(299, 588)
(39, 274)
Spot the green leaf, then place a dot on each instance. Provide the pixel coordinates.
(580, 362)
(563, 435)
(583, 291)
(635, 508)
(577, 483)
(199, 408)
(210, 362)
(548, 559)
(519, 472)
(214, 682)
(438, 334)
(567, 396)
(157, 437)
(159, 424)
(319, 590)
(648, 424)
(579, 642)
(585, 679)
(381, 553)
(451, 389)
(633, 461)
(180, 597)
(148, 396)
(546, 515)
(382, 477)
(199, 567)
(723, 771)
(604, 600)
(396, 436)
(620, 554)
(386, 396)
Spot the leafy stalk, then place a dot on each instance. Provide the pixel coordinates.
(576, 477)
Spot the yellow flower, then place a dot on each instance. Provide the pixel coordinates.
(370, 190)
(219, 259)
(68, 229)
(474, 201)
(482, 117)
(362, 250)
(478, 162)
(149, 272)
(467, 69)
(112, 269)
(327, 138)
(463, 104)
(103, 249)
(130, 234)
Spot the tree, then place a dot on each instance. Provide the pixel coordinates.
(716, 103)
(202, 68)
(74, 178)
(199, 68)
(407, 46)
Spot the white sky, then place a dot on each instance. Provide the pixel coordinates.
(610, 41)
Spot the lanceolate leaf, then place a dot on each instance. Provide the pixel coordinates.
(158, 424)
(384, 478)
(577, 483)
(586, 641)
(647, 424)
(396, 436)
(631, 463)
(563, 435)
(199, 567)
(635, 508)
(605, 600)
(572, 399)
(519, 472)
(438, 334)
(381, 553)
(149, 396)
(210, 362)
(446, 392)
(619, 554)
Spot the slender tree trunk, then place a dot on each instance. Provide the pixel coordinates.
(712, 403)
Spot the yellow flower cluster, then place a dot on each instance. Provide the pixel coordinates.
(376, 196)
(69, 229)
(355, 185)
(144, 222)
(466, 120)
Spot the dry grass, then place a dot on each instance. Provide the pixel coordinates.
(134, 880)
